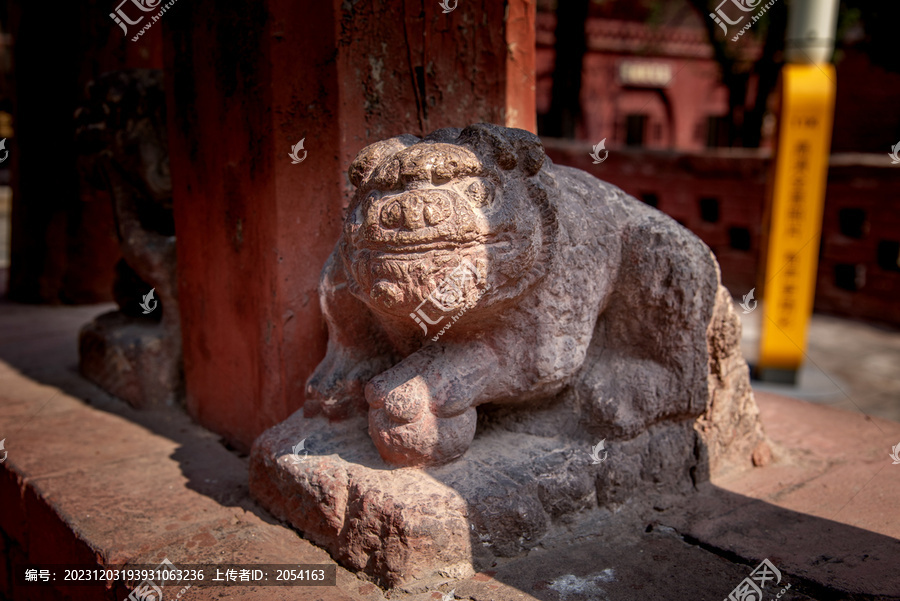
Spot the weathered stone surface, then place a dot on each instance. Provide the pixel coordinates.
(472, 272)
(729, 426)
(499, 500)
(563, 280)
(128, 357)
(122, 136)
(393, 524)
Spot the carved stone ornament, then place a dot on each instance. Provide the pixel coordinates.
(491, 318)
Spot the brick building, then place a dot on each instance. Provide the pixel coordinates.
(644, 86)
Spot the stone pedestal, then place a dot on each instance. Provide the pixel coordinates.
(400, 525)
(131, 358)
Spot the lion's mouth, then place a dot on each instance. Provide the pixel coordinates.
(416, 250)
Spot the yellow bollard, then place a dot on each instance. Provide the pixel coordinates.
(798, 195)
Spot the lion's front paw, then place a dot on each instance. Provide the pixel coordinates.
(337, 388)
(421, 411)
(426, 440)
(401, 403)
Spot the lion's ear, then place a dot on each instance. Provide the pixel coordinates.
(489, 140)
(372, 155)
(529, 148)
(509, 146)
(447, 135)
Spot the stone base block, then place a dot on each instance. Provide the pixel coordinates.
(401, 525)
(131, 358)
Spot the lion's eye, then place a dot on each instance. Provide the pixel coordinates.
(480, 193)
(364, 206)
(443, 171)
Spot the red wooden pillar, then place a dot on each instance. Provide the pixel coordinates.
(245, 84)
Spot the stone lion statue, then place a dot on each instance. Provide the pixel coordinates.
(471, 270)
(121, 137)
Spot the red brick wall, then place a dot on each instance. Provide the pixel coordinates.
(862, 240)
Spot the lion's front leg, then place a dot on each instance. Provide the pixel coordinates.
(422, 410)
(356, 350)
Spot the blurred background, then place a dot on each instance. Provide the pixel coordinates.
(690, 120)
(693, 116)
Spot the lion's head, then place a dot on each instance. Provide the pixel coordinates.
(122, 126)
(423, 208)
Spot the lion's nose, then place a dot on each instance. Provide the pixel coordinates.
(415, 210)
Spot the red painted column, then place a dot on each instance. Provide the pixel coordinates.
(245, 84)
(521, 75)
